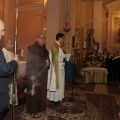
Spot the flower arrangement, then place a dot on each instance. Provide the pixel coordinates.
(22, 89)
(94, 58)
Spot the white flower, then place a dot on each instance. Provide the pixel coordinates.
(25, 90)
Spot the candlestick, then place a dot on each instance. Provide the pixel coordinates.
(84, 45)
(22, 52)
(95, 46)
(77, 46)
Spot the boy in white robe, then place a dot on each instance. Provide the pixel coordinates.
(8, 54)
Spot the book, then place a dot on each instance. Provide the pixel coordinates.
(67, 57)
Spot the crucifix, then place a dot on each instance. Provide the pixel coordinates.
(15, 49)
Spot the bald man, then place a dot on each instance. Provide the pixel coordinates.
(8, 54)
(5, 70)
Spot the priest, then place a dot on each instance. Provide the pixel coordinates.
(56, 74)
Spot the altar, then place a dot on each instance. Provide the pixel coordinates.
(94, 74)
(21, 69)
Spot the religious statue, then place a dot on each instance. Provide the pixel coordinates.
(90, 42)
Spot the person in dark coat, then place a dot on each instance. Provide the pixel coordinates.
(109, 65)
(5, 70)
(37, 72)
(116, 69)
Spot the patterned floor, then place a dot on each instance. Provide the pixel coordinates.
(82, 106)
(110, 88)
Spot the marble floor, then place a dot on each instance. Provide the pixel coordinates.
(103, 89)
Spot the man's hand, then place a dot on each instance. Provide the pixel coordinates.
(47, 62)
(16, 59)
(32, 78)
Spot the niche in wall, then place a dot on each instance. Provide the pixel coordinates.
(113, 39)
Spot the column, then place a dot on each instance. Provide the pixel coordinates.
(52, 20)
(97, 23)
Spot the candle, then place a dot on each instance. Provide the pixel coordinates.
(22, 52)
(44, 29)
(84, 45)
(77, 46)
(67, 19)
(95, 46)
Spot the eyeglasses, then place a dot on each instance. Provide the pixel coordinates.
(42, 37)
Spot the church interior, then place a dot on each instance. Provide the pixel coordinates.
(92, 38)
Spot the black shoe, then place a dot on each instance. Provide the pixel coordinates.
(64, 99)
(56, 103)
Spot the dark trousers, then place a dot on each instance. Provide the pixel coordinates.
(1, 115)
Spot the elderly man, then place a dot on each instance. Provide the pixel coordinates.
(5, 70)
(36, 72)
(8, 54)
(56, 76)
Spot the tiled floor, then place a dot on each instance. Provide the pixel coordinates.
(100, 88)
(103, 89)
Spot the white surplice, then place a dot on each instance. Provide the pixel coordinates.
(8, 56)
(55, 94)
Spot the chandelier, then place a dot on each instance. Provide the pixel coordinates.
(66, 26)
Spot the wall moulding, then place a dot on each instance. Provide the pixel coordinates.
(30, 2)
(30, 13)
(115, 30)
(1, 2)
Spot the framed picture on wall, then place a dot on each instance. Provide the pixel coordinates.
(115, 36)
